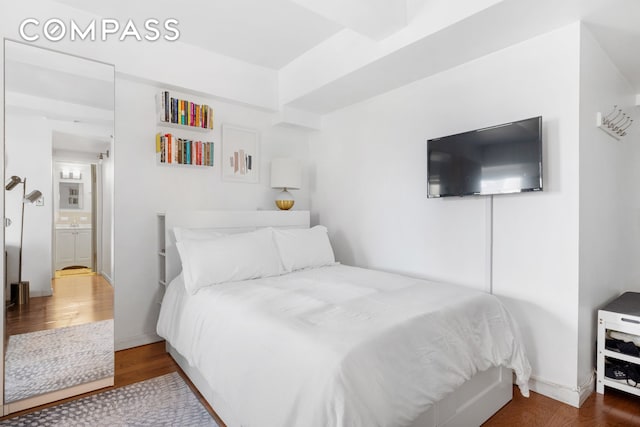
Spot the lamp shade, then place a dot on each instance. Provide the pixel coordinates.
(12, 183)
(32, 197)
(286, 173)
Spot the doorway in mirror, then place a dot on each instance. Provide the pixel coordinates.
(76, 195)
(59, 116)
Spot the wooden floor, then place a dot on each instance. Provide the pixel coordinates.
(615, 409)
(76, 300)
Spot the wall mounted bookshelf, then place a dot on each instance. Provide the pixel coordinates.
(173, 111)
(172, 150)
(178, 150)
(183, 127)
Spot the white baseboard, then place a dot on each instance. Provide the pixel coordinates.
(587, 389)
(136, 341)
(35, 293)
(107, 278)
(571, 396)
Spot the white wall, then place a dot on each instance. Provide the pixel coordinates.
(143, 188)
(28, 153)
(369, 188)
(536, 235)
(106, 218)
(609, 197)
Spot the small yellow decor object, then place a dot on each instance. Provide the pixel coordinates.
(284, 205)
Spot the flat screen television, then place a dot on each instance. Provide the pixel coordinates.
(496, 160)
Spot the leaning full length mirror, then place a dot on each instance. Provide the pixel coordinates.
(58, 225)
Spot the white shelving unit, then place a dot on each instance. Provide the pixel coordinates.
(622, 315)
(161, 250)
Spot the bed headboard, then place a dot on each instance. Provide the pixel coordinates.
(225, 222)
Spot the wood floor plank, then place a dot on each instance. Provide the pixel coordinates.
(612, 409)
(76, 300)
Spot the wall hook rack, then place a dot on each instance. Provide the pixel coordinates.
(614, 124)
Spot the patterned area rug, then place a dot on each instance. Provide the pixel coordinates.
(54, 359)
(161, 401)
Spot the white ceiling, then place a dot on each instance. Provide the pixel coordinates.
(269, 33)
(74, 95)
(617, 28)
(272, 33)
(332, 53)
(42, 81)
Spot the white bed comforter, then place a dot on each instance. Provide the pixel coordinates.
(338, 346)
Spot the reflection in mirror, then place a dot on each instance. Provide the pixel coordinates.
(70, 195)
(58, 202)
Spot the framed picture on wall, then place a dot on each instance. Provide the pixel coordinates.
(240, 154)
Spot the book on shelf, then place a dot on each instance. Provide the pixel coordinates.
(181, 151)
(183, 112)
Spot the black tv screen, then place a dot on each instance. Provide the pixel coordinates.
(496, 160)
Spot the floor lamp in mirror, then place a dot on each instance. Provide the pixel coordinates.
(20, 290)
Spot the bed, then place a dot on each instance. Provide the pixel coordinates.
(332, 345)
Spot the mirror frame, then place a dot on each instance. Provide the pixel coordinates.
(36, 400)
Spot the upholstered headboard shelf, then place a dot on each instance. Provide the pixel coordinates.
(223, 221)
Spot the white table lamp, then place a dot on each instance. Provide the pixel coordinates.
(285, 174)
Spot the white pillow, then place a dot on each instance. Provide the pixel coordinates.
(304, 248)
(196, 234)
(228, 258)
